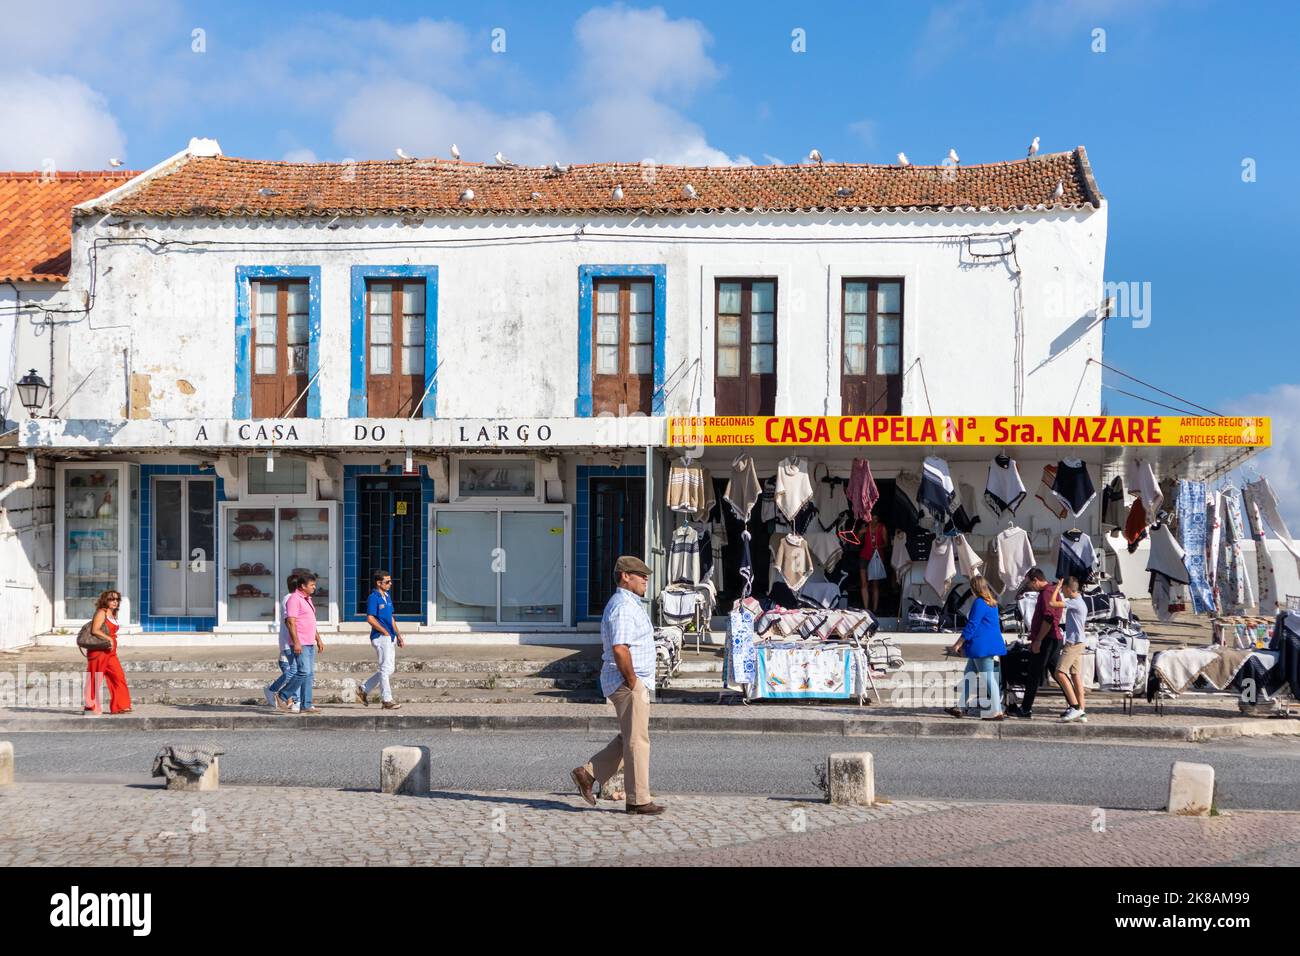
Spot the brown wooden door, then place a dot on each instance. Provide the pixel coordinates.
(394, 348)
(280, 349)
(745, 354)
(871, 379)
(622, 335)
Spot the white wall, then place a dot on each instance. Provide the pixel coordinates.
(508, 311)
(26, 552)
(24, 340)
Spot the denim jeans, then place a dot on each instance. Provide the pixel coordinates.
(306, 673)
(287, 684)
(980, 680)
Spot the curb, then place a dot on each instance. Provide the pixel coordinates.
(843, 727)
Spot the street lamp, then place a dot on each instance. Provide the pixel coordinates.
(32, 391)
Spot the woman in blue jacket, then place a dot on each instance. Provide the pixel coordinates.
(981, 641)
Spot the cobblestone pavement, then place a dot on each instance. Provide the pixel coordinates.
(45, 824)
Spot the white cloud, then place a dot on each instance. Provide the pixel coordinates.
(300, 156)
(632, 128)
(58, 121)
(383, 116)
(643, 52)
(1281, 462)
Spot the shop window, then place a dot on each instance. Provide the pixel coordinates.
(496, 478)
(288, 478)
(280, 344)
(871, 379)
(395, 359)
(623, 346)
(745, 355)
(263, 546)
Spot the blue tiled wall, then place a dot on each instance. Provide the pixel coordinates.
(350, 557)
(582, 525)
(149, 621)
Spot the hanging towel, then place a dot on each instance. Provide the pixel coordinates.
(968, 561)
(1015, 557)
(1112, 503)
(1004, 490)
(1166, 554)
(1045, 494)
(1192, 536)
(863, 492)
(743, 488)
(1072, 485)
(941, 567)
(794, 559)
(936, 494)
(1075, 557)
(899, 558)
(1161, 588)
(1141, 481)
(1261, 492)
(793, 486)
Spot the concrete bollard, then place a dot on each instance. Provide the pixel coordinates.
(851, 779)
(6, 763)
(1191, 789)
(405, 770)
(210, 779)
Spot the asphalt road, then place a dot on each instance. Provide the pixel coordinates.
(1252, 774)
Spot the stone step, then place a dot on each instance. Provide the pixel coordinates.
(328, 665)
(194, 697)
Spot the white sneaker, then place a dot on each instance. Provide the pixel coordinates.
(295, 707)
(270, 696)
(1071, 715)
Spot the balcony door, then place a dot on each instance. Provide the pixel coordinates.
(280, 343)
(871, 379)
(394, 348)
(745, 353)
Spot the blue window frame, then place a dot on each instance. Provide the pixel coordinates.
(244, 276)
(587, 274)
(357, 402)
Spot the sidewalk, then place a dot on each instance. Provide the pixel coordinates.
(44, 824)
(1192, 722)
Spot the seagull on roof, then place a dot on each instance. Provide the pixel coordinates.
(952, 156)
(903, 160)
(535, 196)
(558, 167)
(455, 151)
(617, 194)
(816, 156)
(1033, 148)
(467, 195)
(402, 155)
(501, 159)
(115, 162)
(1059, 191)
(267, 191)
(688, 191)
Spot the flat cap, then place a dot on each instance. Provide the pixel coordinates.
(630, 564)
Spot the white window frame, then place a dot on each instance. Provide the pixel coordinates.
(128, 616)
(310, 496)
(539, 486)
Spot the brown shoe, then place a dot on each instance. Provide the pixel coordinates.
(584, 782)
(995, 717)
(645, 809)
(956, 712)
(361, 697)
(392, 705)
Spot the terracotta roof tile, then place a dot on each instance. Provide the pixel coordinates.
(225, 186)
(36, 220)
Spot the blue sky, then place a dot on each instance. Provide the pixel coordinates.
(1182, 94)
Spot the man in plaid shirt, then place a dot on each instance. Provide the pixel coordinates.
(627, 671)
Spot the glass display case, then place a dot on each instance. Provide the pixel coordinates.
(263, 546)
(97, 511)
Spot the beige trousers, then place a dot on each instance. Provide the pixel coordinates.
(630, 750)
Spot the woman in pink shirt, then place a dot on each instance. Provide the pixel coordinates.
(300, 617)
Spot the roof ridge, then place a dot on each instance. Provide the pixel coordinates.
(23, 174)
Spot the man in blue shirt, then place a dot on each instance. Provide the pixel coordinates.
(627, 671)
(383, 637)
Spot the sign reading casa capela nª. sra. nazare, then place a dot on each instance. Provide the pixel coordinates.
(1252, 432)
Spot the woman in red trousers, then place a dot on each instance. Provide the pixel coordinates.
(104, 625)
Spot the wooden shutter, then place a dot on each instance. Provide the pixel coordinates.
(395, 355)
(280, 344)
(745, 347)
(622, 346)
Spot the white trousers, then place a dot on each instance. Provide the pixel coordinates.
(386, 652)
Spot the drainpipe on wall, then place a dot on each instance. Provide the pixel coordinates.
(21, 483)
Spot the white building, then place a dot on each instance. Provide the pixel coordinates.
(415, 363)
